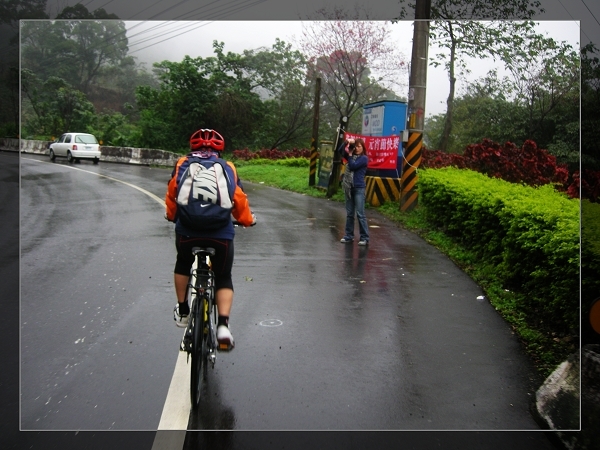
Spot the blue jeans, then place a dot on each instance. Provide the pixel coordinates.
(356, 205)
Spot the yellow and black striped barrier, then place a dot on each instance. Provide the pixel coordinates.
(409, 194)
(380, 190)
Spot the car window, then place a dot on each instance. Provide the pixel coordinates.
(68, 138)
(85, 139)
(62, 138)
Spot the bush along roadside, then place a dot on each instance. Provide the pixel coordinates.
(526, 242)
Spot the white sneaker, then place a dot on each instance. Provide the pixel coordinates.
(224, 338)
(180, 320)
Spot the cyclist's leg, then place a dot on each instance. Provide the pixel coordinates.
(222, 264)
(181, 286)
(181, 274)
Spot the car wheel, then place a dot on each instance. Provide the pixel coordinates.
(96, 160)
(52, 155)
(70, 157)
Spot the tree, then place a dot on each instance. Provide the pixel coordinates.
(279, 74)
(73, 49)
(546, 75)
(183, 100)
(355, 59)
(452, 30)
(11, 11)
(288, 117)
(56, 106)
(255, 99)
(590, 107)
(493, 108)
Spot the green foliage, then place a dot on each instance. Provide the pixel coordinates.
(530, 235)
(12, 11)
(287, 162)
(74, 50)
(220, 92)
(590, 107)
(84, 54)
(279, 174)
(53, 107)
(590, 250)
(491, 109)
(113, 129)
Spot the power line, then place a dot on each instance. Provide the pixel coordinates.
(574, 20)
(226, 9)
(141, 41)
(582, 1)
(109, 1)
(225, 12)
(147, 8)
(159, 42)
(169, 9)
(239, 8)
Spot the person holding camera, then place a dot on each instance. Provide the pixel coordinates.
(354, 152)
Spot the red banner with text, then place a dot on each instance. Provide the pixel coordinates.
(381, 150)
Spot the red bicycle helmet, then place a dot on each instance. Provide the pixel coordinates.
(206, 137)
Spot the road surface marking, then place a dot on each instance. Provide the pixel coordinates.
(148, 193)
(176, 410)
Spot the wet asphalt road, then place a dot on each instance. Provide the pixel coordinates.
(328, 336)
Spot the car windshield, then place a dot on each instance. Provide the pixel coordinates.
(86, 139)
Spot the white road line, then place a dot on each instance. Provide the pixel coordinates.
(168, 440)
(176, 410)
(148, 193)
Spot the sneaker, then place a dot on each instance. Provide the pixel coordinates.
(224, 338)
(363, 242)
(345, 240)
(181, 320)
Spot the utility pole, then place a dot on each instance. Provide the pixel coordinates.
(416, 106)
(315, 135)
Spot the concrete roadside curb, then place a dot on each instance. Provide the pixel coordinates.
(124, 155)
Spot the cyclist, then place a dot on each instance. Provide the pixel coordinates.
(206, 143)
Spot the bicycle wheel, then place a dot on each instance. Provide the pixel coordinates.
(198, 352)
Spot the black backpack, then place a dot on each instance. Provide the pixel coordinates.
(205, 194)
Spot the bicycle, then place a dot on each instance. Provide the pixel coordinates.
(200, 338)
(200, 335)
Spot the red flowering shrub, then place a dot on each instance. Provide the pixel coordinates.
(589, 185)
(527, 164)
(436, 159)
(273, 154)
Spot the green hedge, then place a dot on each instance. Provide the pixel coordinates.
(528, 236)
(590, 255)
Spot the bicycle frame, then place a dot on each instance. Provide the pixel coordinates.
(204, 289)
(200, 340)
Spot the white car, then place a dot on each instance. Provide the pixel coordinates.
(76, 146)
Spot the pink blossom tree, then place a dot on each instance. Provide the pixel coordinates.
(357, 60)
